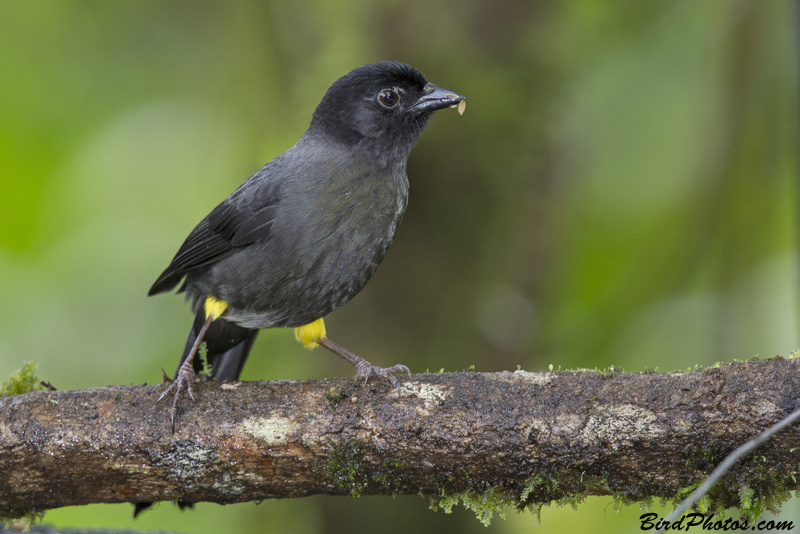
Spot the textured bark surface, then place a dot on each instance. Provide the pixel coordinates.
(526, 436)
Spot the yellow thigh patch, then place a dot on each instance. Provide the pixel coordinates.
(214, 307)
(308, 334)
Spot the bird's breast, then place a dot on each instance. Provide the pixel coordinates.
(328, 241)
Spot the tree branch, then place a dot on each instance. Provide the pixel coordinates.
(525, 438)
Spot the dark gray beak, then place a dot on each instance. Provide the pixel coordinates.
(436, 97)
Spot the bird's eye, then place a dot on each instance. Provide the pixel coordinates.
(388, 98)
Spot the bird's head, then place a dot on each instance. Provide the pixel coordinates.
(385, 105)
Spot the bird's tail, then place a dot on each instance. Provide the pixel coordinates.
(227, 347)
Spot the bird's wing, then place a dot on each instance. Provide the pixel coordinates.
(241, 219)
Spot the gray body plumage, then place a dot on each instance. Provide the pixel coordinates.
(336, 216)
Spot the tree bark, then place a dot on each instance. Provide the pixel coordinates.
(526, 438)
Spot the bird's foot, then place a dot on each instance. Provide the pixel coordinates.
(364, 370)
(183, 382)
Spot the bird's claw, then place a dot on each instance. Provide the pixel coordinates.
(183, 382)
(366, 369)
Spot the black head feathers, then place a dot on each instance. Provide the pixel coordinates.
(374, 102)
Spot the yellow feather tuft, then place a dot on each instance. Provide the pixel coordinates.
(308, 334)
(215, 307)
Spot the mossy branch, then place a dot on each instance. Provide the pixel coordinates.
(487, 439)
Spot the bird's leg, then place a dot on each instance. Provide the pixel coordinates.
(213, 309)
(363, 368)
(313, 334)
(185, 375)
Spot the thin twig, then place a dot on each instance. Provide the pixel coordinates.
(726, 464)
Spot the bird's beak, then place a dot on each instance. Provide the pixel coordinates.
(435, 97)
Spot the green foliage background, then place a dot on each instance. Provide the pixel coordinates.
(622, 190)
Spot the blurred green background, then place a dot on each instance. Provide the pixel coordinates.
(622, 190)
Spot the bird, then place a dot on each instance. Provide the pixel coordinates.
(304, 234)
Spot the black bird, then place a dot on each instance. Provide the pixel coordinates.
(306, 232)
